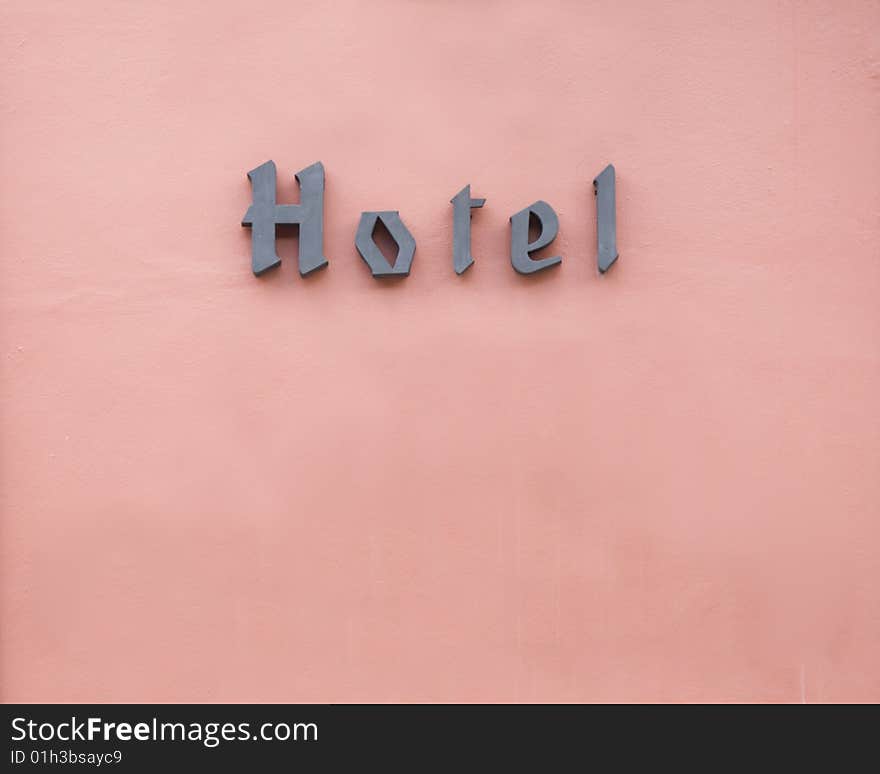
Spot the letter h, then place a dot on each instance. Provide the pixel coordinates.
(264, 214)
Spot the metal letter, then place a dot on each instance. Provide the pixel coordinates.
(370, 252)
(263, 215)
(461, 228)
(606, 217)
(520, 247)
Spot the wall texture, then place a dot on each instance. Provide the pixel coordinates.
(659, 484)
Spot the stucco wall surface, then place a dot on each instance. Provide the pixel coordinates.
(658, 484)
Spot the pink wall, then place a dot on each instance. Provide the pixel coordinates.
(660, 484)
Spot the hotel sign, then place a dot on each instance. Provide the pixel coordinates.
(265, 214)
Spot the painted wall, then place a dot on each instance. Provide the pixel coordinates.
(660, 484)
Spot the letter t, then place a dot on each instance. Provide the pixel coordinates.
(461, 228)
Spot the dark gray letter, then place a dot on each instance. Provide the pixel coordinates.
(370, 252)
(606, 217)
(461, 228)
(520, 247)
(264, 214)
